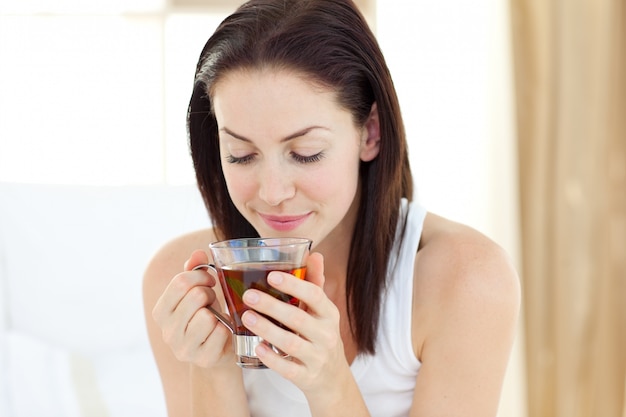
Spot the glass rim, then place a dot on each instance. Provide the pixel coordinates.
(260, 242)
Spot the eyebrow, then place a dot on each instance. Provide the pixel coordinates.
(287, 138)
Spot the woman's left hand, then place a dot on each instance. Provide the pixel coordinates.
(315, 345)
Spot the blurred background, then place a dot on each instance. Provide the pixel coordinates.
(516, 118)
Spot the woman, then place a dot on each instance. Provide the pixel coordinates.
(295, 130)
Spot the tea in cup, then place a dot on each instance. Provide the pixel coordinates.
(242, 264)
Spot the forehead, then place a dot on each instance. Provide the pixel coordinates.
(246, 92)
(278, 75)
(272, 103)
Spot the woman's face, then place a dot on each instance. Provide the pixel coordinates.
(290, 153)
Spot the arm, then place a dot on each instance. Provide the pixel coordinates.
(466, 304)
(192, 350)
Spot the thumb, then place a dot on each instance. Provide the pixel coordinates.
(315, 269)
(198, 257)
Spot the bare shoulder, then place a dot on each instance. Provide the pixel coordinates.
(170, 258)
(461, 272)
(453, 256)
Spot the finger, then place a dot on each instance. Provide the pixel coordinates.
(310, 293)
(180, 285)
(177, 289)
(195, 300)
(174, 324)
(198, 257)
(300, 349)
(199, 260)
(285, 340)
(290, 368)
(296, 325)
(318, 322)
(205, 337)
(198, 330)
(315, 274)
(315, 269)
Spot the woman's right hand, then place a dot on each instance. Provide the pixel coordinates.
(192, 332)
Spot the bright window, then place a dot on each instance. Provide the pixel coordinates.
(96, 92)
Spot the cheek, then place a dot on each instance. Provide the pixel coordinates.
(335, 182)
(240, 187)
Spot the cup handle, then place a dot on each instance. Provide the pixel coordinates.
(225, 321)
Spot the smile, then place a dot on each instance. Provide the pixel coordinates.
(284, 223)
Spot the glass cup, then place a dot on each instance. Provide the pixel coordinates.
(241, 264)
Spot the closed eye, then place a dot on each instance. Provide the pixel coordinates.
(243, 160)
(307, 159)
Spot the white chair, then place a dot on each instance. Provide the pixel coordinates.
(72, 331)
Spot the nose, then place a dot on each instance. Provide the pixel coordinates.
(275, 184)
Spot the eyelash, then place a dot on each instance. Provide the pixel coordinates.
(244, 160)
(307, 159)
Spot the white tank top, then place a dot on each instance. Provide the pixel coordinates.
(387, 379)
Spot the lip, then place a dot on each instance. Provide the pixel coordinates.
(284, 223)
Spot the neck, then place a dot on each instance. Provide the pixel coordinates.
(336, 251)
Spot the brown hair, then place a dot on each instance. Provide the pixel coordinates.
(330, 42)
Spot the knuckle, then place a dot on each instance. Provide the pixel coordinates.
(317, 295)
(168, 337)
(204, 316)
(334, 314)
(182, 355)
(208, 320)
(294, 344)
(291, 373)
(198, 295)
(156, 313)
(184, 352)
(330, 339)
(297, 320)
(181, 282)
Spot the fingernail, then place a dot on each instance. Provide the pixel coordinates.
(275, 278)
(250, 297)
(249, 318)
(261, 350)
